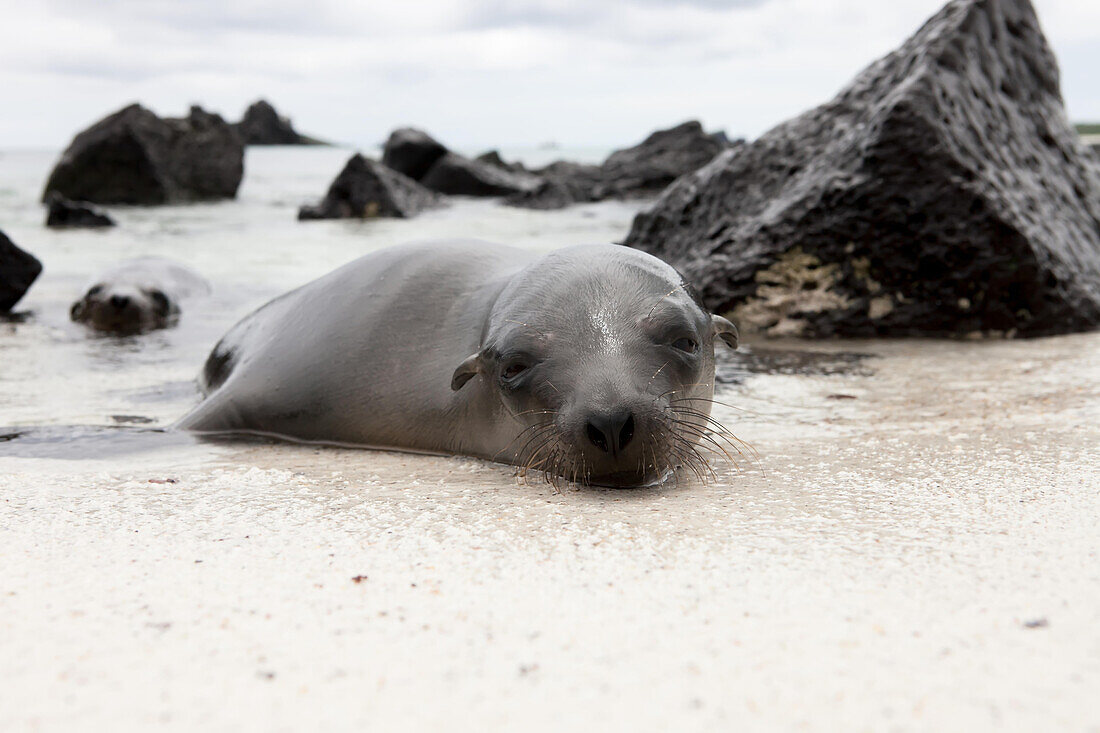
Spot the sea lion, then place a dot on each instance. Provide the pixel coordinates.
(138, 295)
(595, 363)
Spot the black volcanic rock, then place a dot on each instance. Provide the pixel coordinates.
(642, 170)
(18, 270)
(262, 125)
(660, 159)
(366, 189)
(456, 175)
(564, 183)
(942, 192)
(412, 152)
(135, 157)
(492, 157)
(65, 213)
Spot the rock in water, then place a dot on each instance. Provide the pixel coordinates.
(366, 189)
(492, 157)
(412, 152)
(563, 184)
(135, 157)
(643, 170)
(64, 213)
(456, 175)
(18, 270)
(262, 125)
(942, 192)
(660, 159)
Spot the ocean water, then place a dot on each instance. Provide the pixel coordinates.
(251, 249)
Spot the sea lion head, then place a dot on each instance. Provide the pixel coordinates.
(123, 308)
(605, 358)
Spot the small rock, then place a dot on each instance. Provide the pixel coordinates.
(412, 152)
(262, 125)
(456, 175)
(64, 213)
(642, 170)
(492, 157)
(18, 270)
(366, 189)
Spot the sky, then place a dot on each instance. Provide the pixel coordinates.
(475, 73)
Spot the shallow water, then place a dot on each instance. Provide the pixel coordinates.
(911, 542)
(252, 249)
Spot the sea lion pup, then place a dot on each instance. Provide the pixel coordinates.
(593, 363)
(138, 295)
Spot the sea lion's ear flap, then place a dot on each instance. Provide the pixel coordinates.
(466, 371)
(725, 330)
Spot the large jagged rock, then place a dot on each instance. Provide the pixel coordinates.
(942, 192)
(412, 152)
(135, 157)
(453, 174)
(18, 270)
(366, 189)
(66, 214)
(262, 125)
(642, 170)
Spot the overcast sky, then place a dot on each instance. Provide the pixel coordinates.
(476, 73)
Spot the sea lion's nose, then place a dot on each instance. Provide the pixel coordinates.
(120, 301)
(611, 432)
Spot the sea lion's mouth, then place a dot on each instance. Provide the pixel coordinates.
(643, 479)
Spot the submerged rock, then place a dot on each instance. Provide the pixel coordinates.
(412, 152)
(18, 271)
(66, 213)
(366, 189)
(456, 175)
(642, 170)
(942, 192)
(135, 157)
(262, 125)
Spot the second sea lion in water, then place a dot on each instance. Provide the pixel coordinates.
(138, 295)
(595, 363)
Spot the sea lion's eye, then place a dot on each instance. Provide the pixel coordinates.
(160, 299)
(513, 370)
(96, 290)
(688, 346)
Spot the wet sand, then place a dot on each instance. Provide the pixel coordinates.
(915, 547)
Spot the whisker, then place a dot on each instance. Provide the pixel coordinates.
(656, 373)
(670, 292)
(535, 429)
(714, 402)
(703, 435)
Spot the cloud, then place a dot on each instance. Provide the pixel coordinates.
(476, 73)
